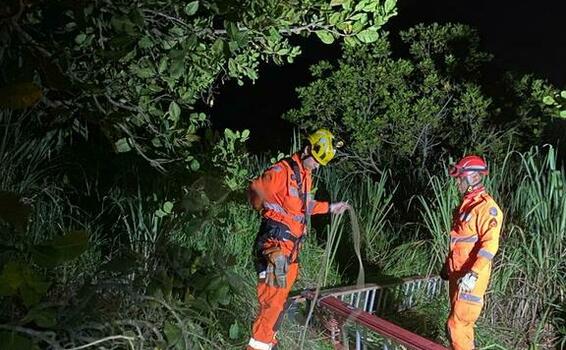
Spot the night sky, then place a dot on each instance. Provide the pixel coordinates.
(524, 36)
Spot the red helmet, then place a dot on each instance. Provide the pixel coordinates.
(468, 165)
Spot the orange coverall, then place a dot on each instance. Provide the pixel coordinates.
(282, 204)
(474, 240)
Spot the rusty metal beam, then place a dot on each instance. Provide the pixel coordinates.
(378, 325)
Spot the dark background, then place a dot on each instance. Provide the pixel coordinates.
(524, 36)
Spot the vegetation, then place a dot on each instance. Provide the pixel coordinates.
(144, 71)
(123, 217)
(410, 112)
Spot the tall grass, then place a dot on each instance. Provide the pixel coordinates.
(436, 213)
(23, 158)
(530, 278)
(142, 231)
(373, 203)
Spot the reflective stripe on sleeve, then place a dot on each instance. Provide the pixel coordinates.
(470, 297)
(468, 239)
(484, 253)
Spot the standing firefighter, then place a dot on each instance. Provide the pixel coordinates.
(282, 196)
(474, 240)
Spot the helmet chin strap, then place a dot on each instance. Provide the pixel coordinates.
(471, 186)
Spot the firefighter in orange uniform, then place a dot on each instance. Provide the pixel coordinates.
(282, 196)
(474, 240)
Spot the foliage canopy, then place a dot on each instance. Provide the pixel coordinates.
(145, 70)
(410, 111)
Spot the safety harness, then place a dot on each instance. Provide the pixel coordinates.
(279, 231)
(303, 196)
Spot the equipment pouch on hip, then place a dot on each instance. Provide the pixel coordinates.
(277, 267)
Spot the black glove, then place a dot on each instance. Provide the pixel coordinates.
(444, 272)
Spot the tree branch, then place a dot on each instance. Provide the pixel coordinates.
(113, 337)
(35, 334)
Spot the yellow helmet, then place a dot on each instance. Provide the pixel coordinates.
(322, 149)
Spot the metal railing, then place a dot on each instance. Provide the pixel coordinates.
(375, 298)
(357, 309)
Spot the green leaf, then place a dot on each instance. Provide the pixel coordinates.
(368, 36)
(45, 255)
(548, 100)
(274, 34)
(360, 5)
(79, 39)
(33, 280)
(351, 41)
(71, 245)
(43, 317)
(325, 36)
(145, 42)
(233, 46)
(145, 72)
(123, 24)
(336, 2)
(137, 17)
(234, 331)
(177, 68)
(160, 213)
(218, 46)
(390, 5)
(335, 18)
(345, 26)
(124, 264)
(20, 95)
(13, 275)
(122, 145)
(194, 165)
(174, 111)
(245, 134)
(162, 65)
(222, 295)
(30, 297)
(167, 207)
(229, 134)
(13, 211)
(232, 30)
(563, 114)
(174, 335)
(563, 94)
(191, 8)
(5, 288)
(362, 17)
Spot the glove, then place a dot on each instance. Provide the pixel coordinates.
(339, 208)
(467, 283)
(444, 272)
(277, 267)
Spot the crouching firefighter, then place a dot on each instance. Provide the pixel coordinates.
(474, 240)
(282, 196)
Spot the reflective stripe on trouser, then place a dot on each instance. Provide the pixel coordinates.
(256, 344)
(272, 302)
(465, 310)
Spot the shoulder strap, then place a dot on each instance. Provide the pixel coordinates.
(297, 176)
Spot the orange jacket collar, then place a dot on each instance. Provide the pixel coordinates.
(297, 158)
(475, 192)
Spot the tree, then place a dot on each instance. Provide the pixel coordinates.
(410, 112)
(558, 102)
(144, 70)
